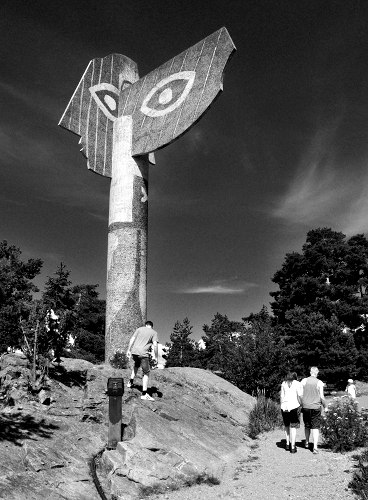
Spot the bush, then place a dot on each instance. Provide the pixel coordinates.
(119, 360)
(343, 427)
(359, 483)
(265, 416)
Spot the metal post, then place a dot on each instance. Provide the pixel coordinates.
(115, 391)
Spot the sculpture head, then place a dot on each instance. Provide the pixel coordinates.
(163, 104)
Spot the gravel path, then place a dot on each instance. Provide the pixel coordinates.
(267, 471)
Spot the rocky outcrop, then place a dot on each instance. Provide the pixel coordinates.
(196, 423)
(47, 440)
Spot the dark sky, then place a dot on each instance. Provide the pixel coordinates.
(282, 151)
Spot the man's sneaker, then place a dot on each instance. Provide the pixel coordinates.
(129, 384)
(147, 397)
(315, 451)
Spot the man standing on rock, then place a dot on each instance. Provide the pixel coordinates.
(312, 399)
(139, 347)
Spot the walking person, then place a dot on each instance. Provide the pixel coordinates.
(351, 388)
(312, 401)
(139, 346)
(290, 399)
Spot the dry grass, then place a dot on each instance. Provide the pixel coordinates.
(159, 489)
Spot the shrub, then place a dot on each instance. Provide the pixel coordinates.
(359, 483)
(343, 427)
(265, 416)
(119, 360)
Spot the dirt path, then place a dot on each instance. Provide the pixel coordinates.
(269, 472)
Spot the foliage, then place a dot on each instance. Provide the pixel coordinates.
(312, 339)
(119, 360)
(58, 303)
(264, 416)
(57, 294)
(89, 325)
(63, 313)
(249, 354)
(219, 340)
(359, 483)
(321, 305)
(183, 351)
(260, 356)
(329, 276)
(16, 290)
(344, 428)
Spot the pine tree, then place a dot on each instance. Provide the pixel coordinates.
(182, 349)
(218, 339)
(58, 300)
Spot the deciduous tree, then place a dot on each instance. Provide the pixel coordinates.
(16, 288)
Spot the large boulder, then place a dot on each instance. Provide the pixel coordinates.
(193, 428)
(195, 425)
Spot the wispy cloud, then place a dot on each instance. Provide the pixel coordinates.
(34, 100)
(11, 201)
(15, 145)
(219, 288)
(325, 192)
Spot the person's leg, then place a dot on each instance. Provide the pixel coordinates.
(144, 383)
(287, 434)
(307, 425)
(292, 437)
(294, 424)
(307, 436)
(315, 434)
(133, 374)
(285, 419)
(136, 365)
(146, 370)
(316, 423)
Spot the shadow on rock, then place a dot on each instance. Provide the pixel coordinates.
(68, 377)
(16, 427)
(152, 391)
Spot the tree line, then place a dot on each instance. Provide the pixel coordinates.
(65, 313)
(319, 317)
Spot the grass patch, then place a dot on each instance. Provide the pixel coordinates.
(159, 489)
(265, 416)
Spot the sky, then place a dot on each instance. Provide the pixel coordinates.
(283, 150)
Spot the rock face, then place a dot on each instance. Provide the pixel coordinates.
(196, 423)
(194, 426)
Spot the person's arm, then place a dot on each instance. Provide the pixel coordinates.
(300, 393)
(323, 400)
(131, 342)
(282, 393)
(155, 349)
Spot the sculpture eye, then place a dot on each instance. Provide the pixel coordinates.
(107, 99)
(168, 94)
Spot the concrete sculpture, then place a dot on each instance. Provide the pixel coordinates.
(121, 120)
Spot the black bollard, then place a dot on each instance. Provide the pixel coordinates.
(115, 391)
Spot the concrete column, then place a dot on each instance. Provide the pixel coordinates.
(126, 289)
